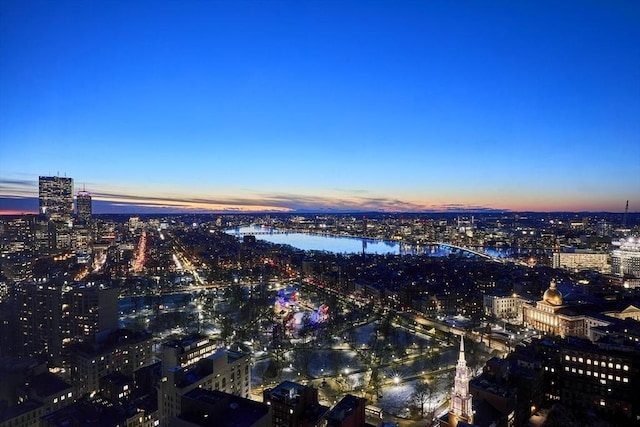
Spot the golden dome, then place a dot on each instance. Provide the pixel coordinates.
(552, 295)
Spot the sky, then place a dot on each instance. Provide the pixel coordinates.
(278, 106)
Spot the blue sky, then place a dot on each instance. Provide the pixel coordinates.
(323, 105)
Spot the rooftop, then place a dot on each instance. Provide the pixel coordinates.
(209, 407)
(344, 408)
(47, 384)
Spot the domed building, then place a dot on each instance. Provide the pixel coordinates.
(552, 295)
(551, 315)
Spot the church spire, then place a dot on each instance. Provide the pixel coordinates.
(460, 408)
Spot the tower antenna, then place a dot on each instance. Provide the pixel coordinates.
(626, 213)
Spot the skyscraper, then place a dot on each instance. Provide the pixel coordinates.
(56, 197)
(83, 205)
(50, 316)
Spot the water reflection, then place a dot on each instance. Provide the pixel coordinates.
(354, 245)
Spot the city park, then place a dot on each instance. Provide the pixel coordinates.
(304, 333)
(299, 329)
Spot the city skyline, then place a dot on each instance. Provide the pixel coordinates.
(322, 106)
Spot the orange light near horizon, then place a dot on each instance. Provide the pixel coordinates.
(18, 212)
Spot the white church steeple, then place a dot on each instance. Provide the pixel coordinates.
(460, 408)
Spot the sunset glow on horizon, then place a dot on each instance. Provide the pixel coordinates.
(310, 106)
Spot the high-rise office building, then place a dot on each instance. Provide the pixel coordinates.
(39, 316)
(83, 205)
(51, 316)
(56, 197)
(90, 309)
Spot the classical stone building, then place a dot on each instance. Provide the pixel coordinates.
(551, 315)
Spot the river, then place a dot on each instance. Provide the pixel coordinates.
(355, 245)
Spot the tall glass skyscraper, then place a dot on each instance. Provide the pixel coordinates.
(56, 197)
(83, 205)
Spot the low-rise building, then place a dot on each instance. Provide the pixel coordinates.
(582, 259)
(121, 351)
(294, 405)
(349, 412)
(507, 307)
(225, 370)
(39, 395)
(202, 407)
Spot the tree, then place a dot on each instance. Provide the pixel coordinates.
(421, 397)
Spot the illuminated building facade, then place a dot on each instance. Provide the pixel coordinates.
(56, 197)
(51, 316)
(40, 323)
(625, 261)
(507, 307)
(83, 205)
(582, 259)
(90, 309)
(605, 380)
(198, 367)
(461, 405)
(121, 351)
(185, 352)
(551, 316)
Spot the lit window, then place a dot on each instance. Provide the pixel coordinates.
(625, 368)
